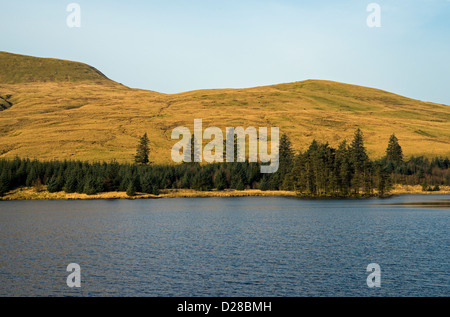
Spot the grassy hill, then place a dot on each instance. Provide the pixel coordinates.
(66, 110)
(16, 69)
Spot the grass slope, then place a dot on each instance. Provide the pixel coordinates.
(16, 69)
(93, 118)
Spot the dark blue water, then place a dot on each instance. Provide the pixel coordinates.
(250, 246)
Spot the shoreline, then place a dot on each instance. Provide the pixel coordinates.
(29, 193)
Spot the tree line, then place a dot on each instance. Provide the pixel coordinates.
(319, 171)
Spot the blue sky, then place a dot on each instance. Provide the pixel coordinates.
(179, 45)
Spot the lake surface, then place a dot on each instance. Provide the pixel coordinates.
(249, 246)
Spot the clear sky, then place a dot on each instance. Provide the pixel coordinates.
(179, 45)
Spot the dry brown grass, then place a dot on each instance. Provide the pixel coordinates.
(417, 189)
(93, 121)
(30, 193)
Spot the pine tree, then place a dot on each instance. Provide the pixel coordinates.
(358, 151)
(286, 156)
(298, 173)
(394, 151)
(99, 184)
(343, 168)
(238, 176)
(240, 185)
(70, 185)
(383, 180)
(142, 151)
(359, 158)
(21, 173)
(264, 184)
(146, 184)
(4, 182)
(33, 175)
(274, 181)
(185, 180)
(202, 180)
(89, 186)
(220, 180)
(367, 178)
(54, 184)
(112, 180)
(131, 189)
(253, 174)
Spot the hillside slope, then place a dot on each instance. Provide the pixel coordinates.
(97, 119)
(17, 69)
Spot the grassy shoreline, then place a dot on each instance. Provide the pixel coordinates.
(29, 193)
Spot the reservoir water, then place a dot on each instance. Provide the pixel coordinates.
(249, 246)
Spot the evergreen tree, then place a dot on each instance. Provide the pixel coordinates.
(142, 151)
(220, 180)
(21, 173)
(131, 189)
(359, 158)
(298, 173)
(111, 181)
(146, 184)
(238, 176)
(286, 156)
(240, 185)
(124, 183)
(186, 180)
(394, 151)
(274, 181)
(358, 151)
(89, 186)
(4, 182)
(383, 181)
(264, 184)
(136, 181)
(368, 179)
(253, 174)
(202, 180)
(99, 184)
(54, 184)
(70, 186)
(32, 176)
(343, 169)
